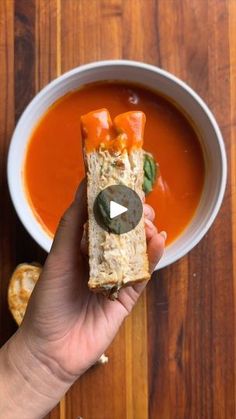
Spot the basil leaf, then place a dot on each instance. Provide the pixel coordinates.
(153, 166)
(150, 172)
(147, 185)
(104, 208)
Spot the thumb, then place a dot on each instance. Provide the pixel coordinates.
(70, 230)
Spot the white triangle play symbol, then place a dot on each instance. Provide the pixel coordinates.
(116, 209)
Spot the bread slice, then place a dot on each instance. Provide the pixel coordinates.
(115, 260)
(20, 288)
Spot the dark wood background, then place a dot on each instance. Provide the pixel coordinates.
(183, 328)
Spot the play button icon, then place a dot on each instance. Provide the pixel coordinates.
(118, 209)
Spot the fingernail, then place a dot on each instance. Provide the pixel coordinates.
(163, 234)
(149, 223)
(149, 211)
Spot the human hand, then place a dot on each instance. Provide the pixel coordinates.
(66, 326)
(65, 320)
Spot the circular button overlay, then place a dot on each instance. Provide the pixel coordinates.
(118, 209)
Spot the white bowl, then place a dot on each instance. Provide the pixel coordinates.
(156, 79)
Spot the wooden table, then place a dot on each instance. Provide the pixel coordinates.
(182, 332)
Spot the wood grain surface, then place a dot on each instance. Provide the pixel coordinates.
(175, 356)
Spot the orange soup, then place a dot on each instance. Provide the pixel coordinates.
(54, 164)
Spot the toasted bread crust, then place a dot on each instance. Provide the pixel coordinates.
(112, 290)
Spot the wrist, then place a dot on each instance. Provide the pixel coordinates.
(31, 387)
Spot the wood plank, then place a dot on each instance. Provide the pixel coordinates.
(223, 322)
(47, 45)
(232, 50)
(194, 335)
(232, 44)
(80, 32)
(139, 31)
(93, 394)
(136, 361)
(24, 49)
(107, 391)
(183, 40)
(7, 218)
(24, 90)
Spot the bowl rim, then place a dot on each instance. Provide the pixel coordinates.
(116, 63)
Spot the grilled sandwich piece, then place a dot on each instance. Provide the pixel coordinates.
(20, 288)
(114, 156)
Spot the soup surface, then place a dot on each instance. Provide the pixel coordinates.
(54, 163)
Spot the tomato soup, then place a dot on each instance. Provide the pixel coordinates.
(54, 164)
